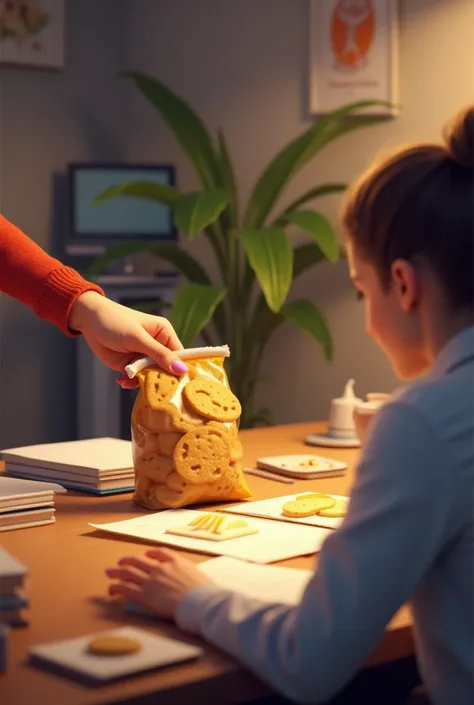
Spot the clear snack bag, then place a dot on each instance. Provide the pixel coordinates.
(185, 440)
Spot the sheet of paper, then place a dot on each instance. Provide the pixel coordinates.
(271, 583)
(272, 509)
(274, 541)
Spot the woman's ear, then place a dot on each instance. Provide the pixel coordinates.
(405, 284)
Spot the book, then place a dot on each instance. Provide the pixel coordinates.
(95, 465)
(12, 573)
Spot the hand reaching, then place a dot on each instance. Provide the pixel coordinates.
(118, 335)
(158, 584)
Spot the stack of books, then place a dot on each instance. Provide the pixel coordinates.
(12, 599)
(25, 503)
(97, 465)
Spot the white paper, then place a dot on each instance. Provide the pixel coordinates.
(156, 651)
(15, 488)
(270, 583)
(274, 541)
(272, 509)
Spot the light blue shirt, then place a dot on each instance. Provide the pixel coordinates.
(408, 535)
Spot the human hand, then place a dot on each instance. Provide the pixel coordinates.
(158, 584)
(117, 335)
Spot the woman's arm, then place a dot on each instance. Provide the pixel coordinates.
(29, 274)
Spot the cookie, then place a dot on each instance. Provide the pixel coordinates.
(299, 508)
(113, 646)
(236, 450)
(160, 387)
(157, 421)
(203, 455)
(154, 466)
(211, 399)
(339, 509)
(310, 495)
(167, 442)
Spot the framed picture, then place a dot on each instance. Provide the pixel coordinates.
(32, 33)
(353, 53)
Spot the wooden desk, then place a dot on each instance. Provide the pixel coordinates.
(67, 589)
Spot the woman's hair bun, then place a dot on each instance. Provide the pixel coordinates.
(459, 137)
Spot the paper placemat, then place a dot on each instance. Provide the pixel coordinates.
(274, 541)
(272, 509)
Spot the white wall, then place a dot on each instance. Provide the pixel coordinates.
(243, 66)
(47, 119)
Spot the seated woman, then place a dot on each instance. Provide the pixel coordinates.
(408, 534)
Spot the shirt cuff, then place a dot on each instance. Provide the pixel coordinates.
(60, 291)
(190, 610)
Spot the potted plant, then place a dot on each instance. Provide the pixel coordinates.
(256, 261)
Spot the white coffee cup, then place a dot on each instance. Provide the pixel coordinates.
(341, 414)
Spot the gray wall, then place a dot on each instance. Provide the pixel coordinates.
(48, 119)
(243, 65)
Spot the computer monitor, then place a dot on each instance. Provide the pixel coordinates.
(96, 227)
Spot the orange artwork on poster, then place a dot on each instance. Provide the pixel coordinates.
(352, 32)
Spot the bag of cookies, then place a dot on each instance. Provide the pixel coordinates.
(186, 447)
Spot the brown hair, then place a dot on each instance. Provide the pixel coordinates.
(420, 202)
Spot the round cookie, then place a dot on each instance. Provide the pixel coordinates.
(236, 449)
(157, 421)
(336, 511)
(159, 388)
(211, 399)
(167, 442)
(113, 646)
(312, 496)
(154, 466)
(299, 508)
(203, 455)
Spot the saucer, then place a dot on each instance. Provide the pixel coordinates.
(324, 439)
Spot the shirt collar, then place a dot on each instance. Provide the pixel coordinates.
(454, 352)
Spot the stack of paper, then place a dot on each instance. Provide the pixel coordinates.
(25, 503)
(97, 465)
(12, 600)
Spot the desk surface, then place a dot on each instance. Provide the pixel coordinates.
(67, 591)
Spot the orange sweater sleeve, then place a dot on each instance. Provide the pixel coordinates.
(29, 274)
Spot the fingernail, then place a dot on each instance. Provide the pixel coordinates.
(179, 367)
(108, 571)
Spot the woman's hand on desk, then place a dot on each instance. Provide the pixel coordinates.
(159, 583)
(117, 334)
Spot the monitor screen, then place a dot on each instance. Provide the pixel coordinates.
(94, 227)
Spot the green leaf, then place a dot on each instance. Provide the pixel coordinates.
(306, 256)
(273, 179)
(183, 261)
(298, 152)
(271, 258)
(195, 211)
(312, 194)
(188, 128)
(192, 309)
(305, 316)
(227, 175)
(320, 229)
(149, 190)
(261, 417)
